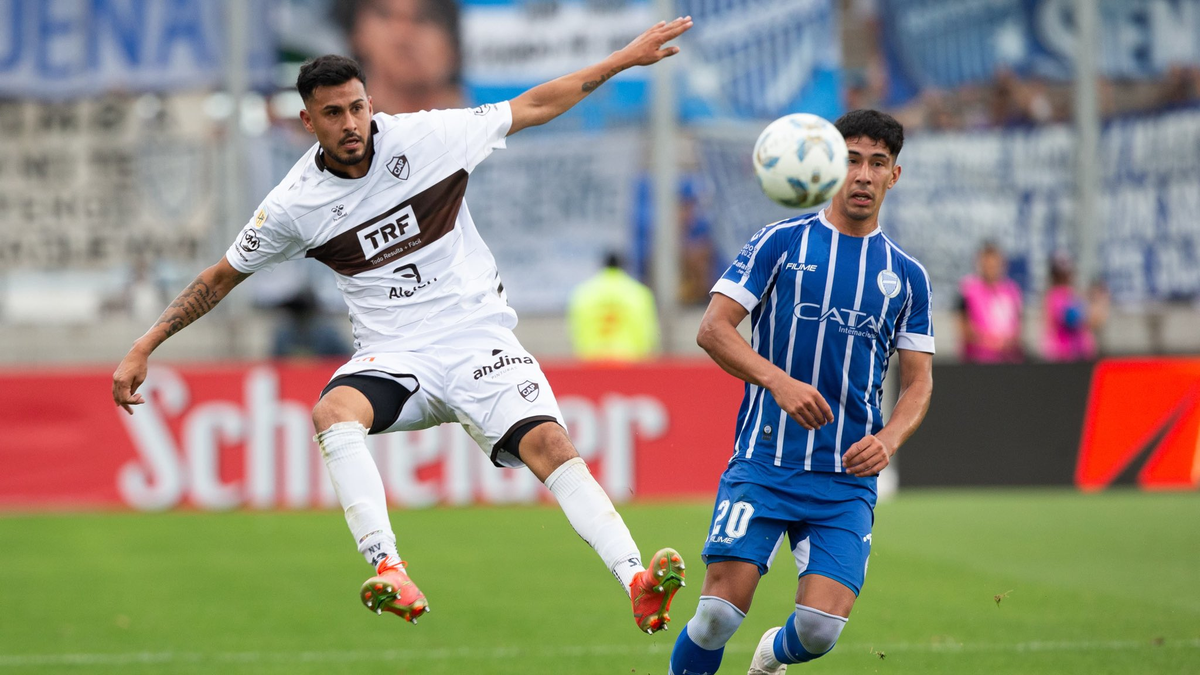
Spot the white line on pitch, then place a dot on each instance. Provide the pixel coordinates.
(440, 654)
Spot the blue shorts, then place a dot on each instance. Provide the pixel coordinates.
(827, 517)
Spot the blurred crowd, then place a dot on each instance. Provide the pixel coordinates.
(991, 314)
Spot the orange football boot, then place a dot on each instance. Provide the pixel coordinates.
(653, 588)
(390, 590)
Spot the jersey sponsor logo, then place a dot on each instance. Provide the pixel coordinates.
(889, 283)
(390, 233)
(260, 218)
(249, 241)
(849, 321)
(801, 267)
(411, 273)
(504, 363)
(401, 230)
(867, 539)
(398, 167)
(529, 390)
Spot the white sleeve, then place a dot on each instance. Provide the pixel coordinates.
(267, 239)
(471, 134)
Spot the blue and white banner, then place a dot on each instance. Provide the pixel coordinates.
(762, 59)
(512, 45)
(1016, 187)
(945, 44)
(70, 48)
(743, 58)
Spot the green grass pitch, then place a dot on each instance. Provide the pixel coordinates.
(960, 582)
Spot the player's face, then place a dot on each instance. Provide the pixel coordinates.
(872, 171)
(340, 116)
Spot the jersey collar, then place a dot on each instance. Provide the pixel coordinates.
(826, 223)
(320, 156)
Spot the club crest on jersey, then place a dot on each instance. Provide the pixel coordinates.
(389, 234)
(889, 283)
(399, 167)
(529, 390)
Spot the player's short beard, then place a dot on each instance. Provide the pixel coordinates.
(347, 160)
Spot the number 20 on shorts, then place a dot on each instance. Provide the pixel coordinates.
(739, 519)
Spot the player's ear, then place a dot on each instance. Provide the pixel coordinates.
(307, 120)
(895, 176)
(370, 107)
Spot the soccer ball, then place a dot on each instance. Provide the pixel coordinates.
(800, 160)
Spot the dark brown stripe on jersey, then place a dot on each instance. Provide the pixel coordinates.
(435, 210)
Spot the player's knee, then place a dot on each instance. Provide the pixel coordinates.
(332, 409)
(810, 634)
(716, 621)
(818, 631)
(547, 444)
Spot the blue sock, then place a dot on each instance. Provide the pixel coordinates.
(688, 658)
(787, 644)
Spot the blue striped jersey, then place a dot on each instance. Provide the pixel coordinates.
(829, 309)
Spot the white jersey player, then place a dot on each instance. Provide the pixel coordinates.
(379, 199)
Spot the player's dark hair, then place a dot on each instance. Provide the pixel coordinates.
(874, 125)
(330, 70)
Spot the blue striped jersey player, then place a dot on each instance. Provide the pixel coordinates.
(831, 298)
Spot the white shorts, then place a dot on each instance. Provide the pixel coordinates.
(480, 377)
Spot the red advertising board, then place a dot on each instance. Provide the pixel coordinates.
(239, 435)
(1143, 422)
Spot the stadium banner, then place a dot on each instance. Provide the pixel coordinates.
(1015, 187)
(582, 189)
(760, 59)
(945, 44)
(512, 45)
(70, 48)
(744, 58)
(97, 182)
(1154, 444)
(240, 436)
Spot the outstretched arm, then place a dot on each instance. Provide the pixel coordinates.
(547, 101)
(208, 288)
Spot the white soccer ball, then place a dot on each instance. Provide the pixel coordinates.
(800, 160)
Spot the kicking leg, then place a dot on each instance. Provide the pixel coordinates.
(728, 590)
(342, 418)
(548, 452)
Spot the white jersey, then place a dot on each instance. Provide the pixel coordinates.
(409, 260)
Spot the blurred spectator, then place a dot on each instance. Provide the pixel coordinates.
(699, 267)
(990, 311)
(612, 317)
(304, 332)
(1071, 320)
(410, 51)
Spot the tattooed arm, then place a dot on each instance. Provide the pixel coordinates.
(195, 301)
(547, 101)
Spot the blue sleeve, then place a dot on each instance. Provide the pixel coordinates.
(914, 328)
(756, 265)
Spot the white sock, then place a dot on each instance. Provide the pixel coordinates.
(359, 488)
(591, 513)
